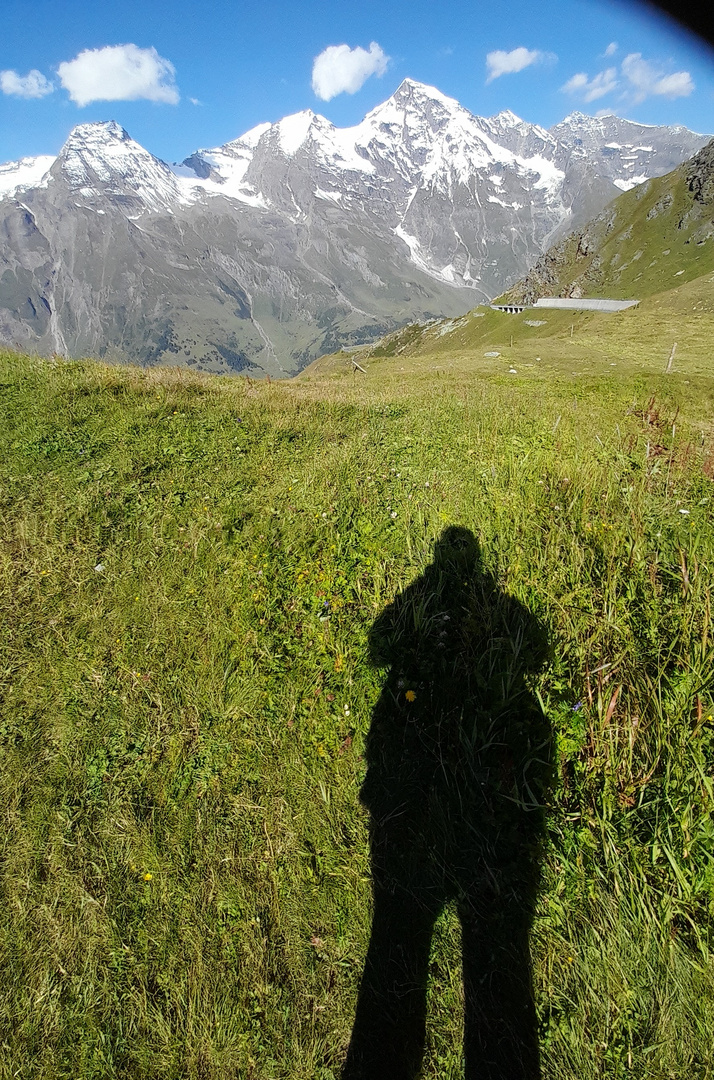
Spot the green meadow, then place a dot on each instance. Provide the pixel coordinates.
(189, 570)
(540, 343)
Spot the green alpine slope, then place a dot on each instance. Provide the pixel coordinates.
(657, 235)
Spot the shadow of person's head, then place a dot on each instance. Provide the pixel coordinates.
(458, 633)
(457, 551)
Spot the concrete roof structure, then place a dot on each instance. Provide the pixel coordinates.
(567, 303)
(571, 304)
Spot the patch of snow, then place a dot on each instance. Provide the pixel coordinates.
(445, 274)
(551, 177)
(338, 148)
(413, 245)
(249, 196)
(293, 130)
(253, 136)
(508, 206)
(228, 165)
(328, 196)
(630, 182)
(334, 147)
(27, 172)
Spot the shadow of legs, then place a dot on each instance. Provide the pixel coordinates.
(389, 1029)
(500, 1026)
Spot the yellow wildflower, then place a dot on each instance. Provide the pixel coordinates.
(410, 695)
(148, 876)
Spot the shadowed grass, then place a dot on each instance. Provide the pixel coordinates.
(190, 569)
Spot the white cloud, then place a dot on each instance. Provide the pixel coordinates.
(342, 70)
(119, 73)
(611, 49)
(680, 84)
(646, 79)
(576, 83)
(508, 63)
(591, 89)
(639, 78)
(32, 85)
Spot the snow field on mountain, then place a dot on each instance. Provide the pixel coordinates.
(28, 172)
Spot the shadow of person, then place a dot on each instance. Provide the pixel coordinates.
(458, 767)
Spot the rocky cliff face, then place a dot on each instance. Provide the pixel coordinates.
(299, 236)
(700, 176)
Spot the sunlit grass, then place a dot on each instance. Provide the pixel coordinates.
(190, 568)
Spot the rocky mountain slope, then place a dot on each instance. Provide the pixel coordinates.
(655, 237)
(299, 236)
(654, 243)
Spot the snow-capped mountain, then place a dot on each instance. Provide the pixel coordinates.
(101, 161)
(626, 153)
(27, 172)
(298, 236)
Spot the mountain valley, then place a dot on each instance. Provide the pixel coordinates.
(299, 237)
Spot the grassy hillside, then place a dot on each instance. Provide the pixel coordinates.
(648, 240)
(544, 344)
(189, 572)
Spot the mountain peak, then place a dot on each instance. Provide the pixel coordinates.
(102, 151)
(293, 130)
(101, 159)
(417, 94)
(410, 86)
(97, 147)
(99, 132)
(507, 118)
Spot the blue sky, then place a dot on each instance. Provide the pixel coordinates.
(201, 74)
